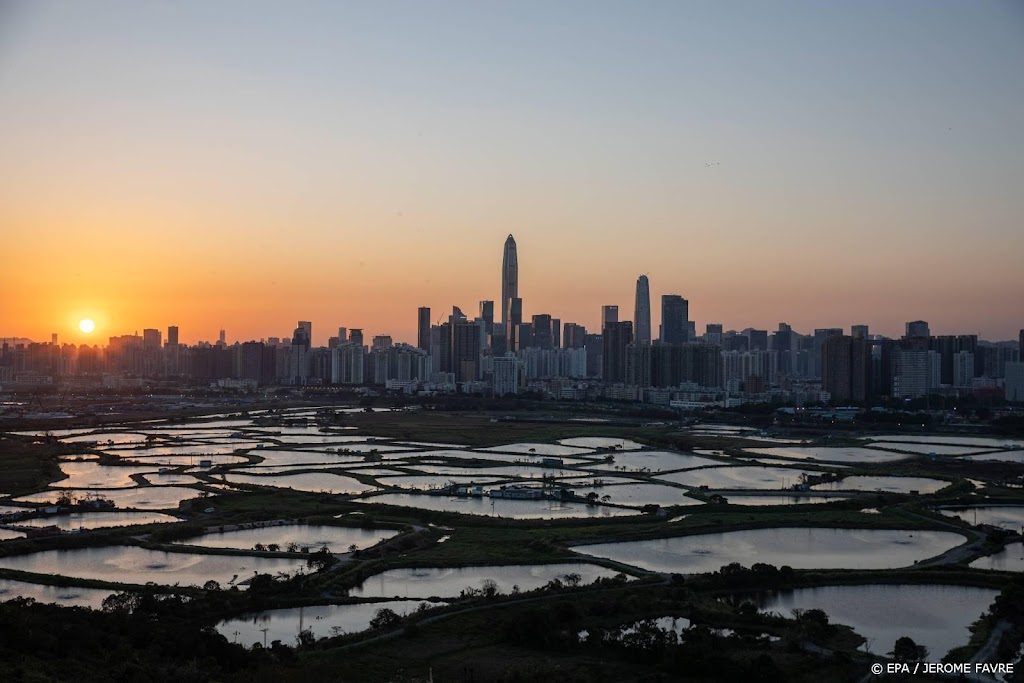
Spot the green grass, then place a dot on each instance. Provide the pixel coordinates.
(27, 465)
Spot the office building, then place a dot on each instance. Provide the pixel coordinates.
(617, 337)
(509, 279)
(609, 314)
(642, 311)
(675, 315)
(423, 328)
(487, 315)
(917, 328)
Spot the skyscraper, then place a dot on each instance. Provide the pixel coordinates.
(509, 276)
(487, 315)
(642, 311)
(172, 335)
(609, 314)
(423, 331)
(675, 315)
(513, 317)
(918, 328)
(617, 337)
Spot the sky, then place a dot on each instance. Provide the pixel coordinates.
(245, 165)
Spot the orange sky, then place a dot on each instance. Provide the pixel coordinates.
(178, 164)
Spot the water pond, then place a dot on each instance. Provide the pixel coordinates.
(68, 596)
(934, 616)
(781, 499)
(828, 454)
(98, 520)
(979, 441)
(90, 475)
(131, 564)
(800, 548)
(322, 620)
(540, 449)
(337, 538)
(743, 477)
(316, 482)
(885, 484)
(602, 442)
(449, 582)
(1002, 456)
(655, 461)
(140, 498)
(1009, 559)
(498, 507)
(1005, 516)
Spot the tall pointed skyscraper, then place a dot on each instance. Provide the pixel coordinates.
(509, 277)
(642, 311)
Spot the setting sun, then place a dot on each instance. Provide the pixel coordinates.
(87, 326)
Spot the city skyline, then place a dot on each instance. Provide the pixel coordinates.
(642, 321)
(163, 165)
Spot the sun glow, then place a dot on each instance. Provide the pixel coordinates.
(87, 326)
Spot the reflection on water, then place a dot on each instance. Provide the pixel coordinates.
(800, 548)
(130, 564)
(449, 582)
(323, 620)
(1009, 559)
(69, 596)
(498, 507)
(312, 536)
(934, 616)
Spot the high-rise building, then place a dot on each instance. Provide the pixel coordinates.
(513, 318)
(509, 279)
(948, 346)
(617, 337)
(609, 314)
(859, 332)
(573, 336)
(713, 334)
(381, 342)
(817, 342)
(355, 336)
(423, 331)
(507, 375)
(342, 335)
(642, 311)
(757, 340)
(917, 328)
(222, 338)
(542, 332)
(1015, 380)
(844, 368)
(675, 314)
(782, 345)
(487, 315)
(963, 369)
(172, 335)
(1020, 353)
(150, 339)
(466, 351)
(556, 332)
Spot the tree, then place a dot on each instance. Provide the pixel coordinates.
(906, 650)
(385, 618)
(305, 638)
